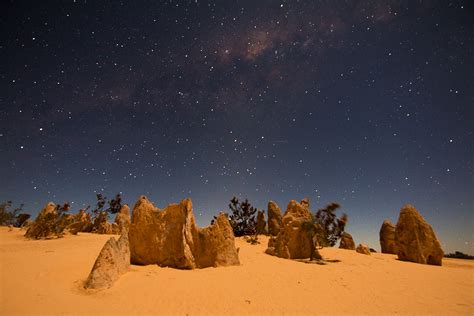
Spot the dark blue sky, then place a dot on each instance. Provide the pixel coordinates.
(367, 103)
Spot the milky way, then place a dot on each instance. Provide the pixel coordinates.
(367, 103)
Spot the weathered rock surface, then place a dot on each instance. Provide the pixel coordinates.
(82, 223)
(305, 202)
(101, 225)
(274, 218)
(113, 261)
(363, 249)
(171, 238)
(347, 242)
(39, 229)
(292, 242)
(415, 239)
(261, 223)
(122, 220)
(387, 238)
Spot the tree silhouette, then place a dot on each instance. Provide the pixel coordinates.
(101, 200)
(329, 228)
(115, 205)
(242, 218)
(21, 219)
(14, 217)
(324, 228)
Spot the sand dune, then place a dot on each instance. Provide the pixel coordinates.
(46, 277)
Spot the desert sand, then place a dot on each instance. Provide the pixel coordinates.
(45, 277)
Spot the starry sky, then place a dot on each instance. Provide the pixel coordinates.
(367, 103)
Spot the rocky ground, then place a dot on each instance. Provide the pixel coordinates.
(47, 277)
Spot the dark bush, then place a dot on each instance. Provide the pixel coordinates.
(50, 224)
(114, 206)
(324, 229)
(100, 214)
(242, 218)
(14, 217)
(21, 219)
(459, 255)
(329, 227)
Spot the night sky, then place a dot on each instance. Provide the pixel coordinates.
(367, 103)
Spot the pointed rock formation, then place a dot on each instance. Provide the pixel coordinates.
(292, 241)
(347, 242)
(214, 245)
(387, 237)
(261, 223)
(363, 249)
(113, 261)
(171, 238)
(274, 218)
(415, 239)
(122, 220)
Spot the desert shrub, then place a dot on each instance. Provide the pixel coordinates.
(21, 219)
(459, 255)
(102, 211)
(114, 206)
(324, 229)
(51, 224)
(101, 200)
(13, 217)
(242, 218)
(329, 228)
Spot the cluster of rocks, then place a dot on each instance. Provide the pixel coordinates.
(292, 241)
(40, 228)
(347, 242)
(412, 239)
(102, 226)
(50, 224)
(171, 238)
(289, 239)
(168, 238)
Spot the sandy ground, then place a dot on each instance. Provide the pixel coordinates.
(45, 278)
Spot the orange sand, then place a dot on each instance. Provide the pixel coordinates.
(45, 277)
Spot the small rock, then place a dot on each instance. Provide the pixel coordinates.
(347, 242)
(293, 242)
(363, 249)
